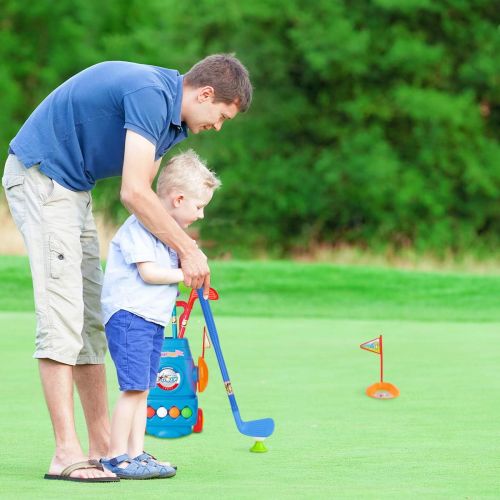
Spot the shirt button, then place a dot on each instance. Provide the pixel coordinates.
(60, 256)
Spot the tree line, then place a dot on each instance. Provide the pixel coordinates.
(375, 123)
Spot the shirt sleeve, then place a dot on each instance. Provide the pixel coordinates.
(137, 244)
(174, 258)
(147, 112)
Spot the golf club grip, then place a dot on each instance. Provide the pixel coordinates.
(214, 337)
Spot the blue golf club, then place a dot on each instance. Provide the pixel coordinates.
(255, 428)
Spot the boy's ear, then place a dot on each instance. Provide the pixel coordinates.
(177, 200)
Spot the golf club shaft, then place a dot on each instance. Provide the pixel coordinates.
(256, 428)
(174, 322)
(214, 337)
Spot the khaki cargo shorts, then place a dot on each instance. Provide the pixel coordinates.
(61, 238)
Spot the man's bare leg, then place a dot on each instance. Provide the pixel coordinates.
(91, 384)
(57, 382)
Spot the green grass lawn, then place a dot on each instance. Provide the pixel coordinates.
(290, 335)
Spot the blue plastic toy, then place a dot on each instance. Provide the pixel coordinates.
(173, 404)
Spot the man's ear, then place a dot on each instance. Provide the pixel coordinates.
(205, 93)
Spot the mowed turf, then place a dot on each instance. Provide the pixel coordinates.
(439, 439)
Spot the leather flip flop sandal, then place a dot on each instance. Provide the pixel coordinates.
(87, 464)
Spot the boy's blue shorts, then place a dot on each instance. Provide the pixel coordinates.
(135, 346)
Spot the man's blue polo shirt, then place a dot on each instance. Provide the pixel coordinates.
(77, 133)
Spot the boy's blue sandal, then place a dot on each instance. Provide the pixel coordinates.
(134, 469)
(164, 470)
(156, 460)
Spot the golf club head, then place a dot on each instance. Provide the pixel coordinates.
(183, 320)
(181, 303)
(262, 428)
(212, 294)
(192, 297)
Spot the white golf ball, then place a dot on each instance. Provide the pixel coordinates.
(162, 412)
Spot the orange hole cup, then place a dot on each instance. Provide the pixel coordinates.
(382, 390)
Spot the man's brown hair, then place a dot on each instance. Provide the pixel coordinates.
(228, 77)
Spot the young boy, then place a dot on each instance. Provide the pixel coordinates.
(139, 292)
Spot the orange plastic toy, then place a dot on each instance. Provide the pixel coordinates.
(379, 390)
(382, 390)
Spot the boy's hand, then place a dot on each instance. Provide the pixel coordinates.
(196, 271)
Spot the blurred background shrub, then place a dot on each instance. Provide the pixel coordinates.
(375, 123)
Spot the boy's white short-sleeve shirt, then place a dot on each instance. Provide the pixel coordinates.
(123, 287)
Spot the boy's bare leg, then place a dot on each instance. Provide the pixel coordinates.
(136, 438)
(122, 421)
(57, 382)
(91, 383)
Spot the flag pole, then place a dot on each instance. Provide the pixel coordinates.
(381, 360)
(379, 390)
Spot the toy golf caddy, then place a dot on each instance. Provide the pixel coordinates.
(172, 404)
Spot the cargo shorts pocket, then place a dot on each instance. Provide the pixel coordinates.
(57, 257)
(14, 192)
(47, 189)
(11, 181)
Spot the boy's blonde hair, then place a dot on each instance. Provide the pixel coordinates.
(186, 172)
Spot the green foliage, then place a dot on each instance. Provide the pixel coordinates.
(374, 122)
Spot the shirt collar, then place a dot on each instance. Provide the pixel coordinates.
(176, 112)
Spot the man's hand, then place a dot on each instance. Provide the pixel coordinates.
(196, 271)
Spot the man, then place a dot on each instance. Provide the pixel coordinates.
(114, 118)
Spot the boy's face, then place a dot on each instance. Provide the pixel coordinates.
(186, 207)
(205, 114)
